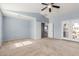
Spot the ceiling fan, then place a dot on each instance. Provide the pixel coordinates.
(49, 5)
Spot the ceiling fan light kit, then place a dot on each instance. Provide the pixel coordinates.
(49, 6)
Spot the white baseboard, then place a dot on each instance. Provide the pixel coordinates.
(70, 40)
(15, 39)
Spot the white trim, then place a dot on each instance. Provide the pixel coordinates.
(50, 30)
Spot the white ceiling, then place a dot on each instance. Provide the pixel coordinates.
(36, 7)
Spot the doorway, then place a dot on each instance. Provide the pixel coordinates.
(44, 30)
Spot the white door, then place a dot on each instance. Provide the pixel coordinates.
(66, 30)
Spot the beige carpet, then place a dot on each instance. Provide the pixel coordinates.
(42, 47)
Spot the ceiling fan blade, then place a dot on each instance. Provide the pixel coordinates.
(49, 9)
(44, 3)
(55, 6)
(52, 3)
(43, 9)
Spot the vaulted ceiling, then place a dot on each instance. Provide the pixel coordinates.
(36, 7)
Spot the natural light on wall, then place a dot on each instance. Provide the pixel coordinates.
(20, 44)
(76, 25)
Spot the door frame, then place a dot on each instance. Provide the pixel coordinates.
(43, 30)
(69, 31)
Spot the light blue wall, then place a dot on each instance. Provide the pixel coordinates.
(18, 28)
(14, 28)
(57, 26)
(11, 31)
(0, 27)
(39, 17)
(57, 20)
